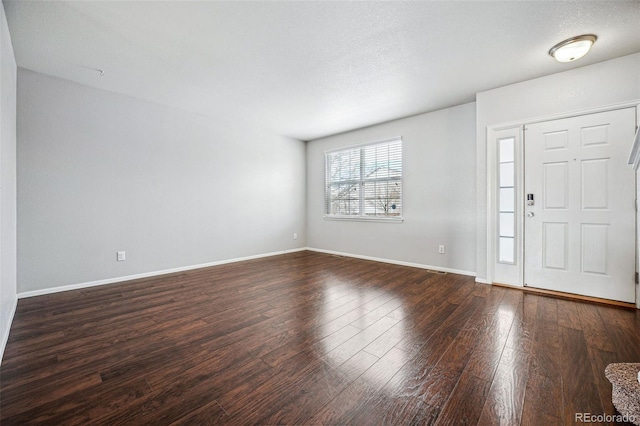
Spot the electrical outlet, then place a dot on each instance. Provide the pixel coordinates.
(441, 249)
(121, 256)
(295, 235)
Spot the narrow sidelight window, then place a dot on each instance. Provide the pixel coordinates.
(506, 200)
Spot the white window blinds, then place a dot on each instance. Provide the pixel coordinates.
(365, 181)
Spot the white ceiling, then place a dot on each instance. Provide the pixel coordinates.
(311, 69)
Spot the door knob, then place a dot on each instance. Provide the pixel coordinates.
(530, 214)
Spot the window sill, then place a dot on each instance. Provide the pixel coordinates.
(365, 219)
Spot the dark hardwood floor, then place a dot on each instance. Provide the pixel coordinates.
(309, 338)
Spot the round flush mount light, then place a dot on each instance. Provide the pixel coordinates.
(573, 48)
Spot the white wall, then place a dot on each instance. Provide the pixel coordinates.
(439, 193)
(7, 182)
(100, 172)
(594, 86)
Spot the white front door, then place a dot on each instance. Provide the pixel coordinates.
(579, 234)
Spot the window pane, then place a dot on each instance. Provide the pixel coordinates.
(507, 149)
(383, 160)
(506, 175)
(507, 225)
(345, 199)
(507, 201)
(507, 250)
(343, 165)
(382, 198)
(375, 162)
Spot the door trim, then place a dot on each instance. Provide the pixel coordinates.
(491, 178)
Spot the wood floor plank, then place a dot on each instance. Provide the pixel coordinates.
(568, 316)
(312, 386)
(425, 390)
(81, 411)
(579, 387)
(622, 333)
(210, 414)
(595, 331)
(521, 335)
(544, 401)
(358, 342)
(310, 338)
(466, 402)
(388, 339)
(351, 406)
(505, 398)
(23, 397)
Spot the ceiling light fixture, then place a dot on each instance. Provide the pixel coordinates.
(573, 48)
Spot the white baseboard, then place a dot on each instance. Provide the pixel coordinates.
(395, 262)
(51, 290)
(482, 280)
(77, 286)
(3, 343)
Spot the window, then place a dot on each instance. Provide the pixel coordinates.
(365, 182)
(506, 200)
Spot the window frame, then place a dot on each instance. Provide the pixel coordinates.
(361, 181)
(511, 183)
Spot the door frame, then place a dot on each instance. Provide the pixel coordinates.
(517, 127)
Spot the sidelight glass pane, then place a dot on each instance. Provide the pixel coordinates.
(507, 225)
(507, 175)
(507, 199)
(507, 150)
(507, 254)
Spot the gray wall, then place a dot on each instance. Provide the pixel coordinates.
(593, 86)
(439, 193)
(100, 172)
(7, 182)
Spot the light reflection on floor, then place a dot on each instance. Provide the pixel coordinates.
(353, 321)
